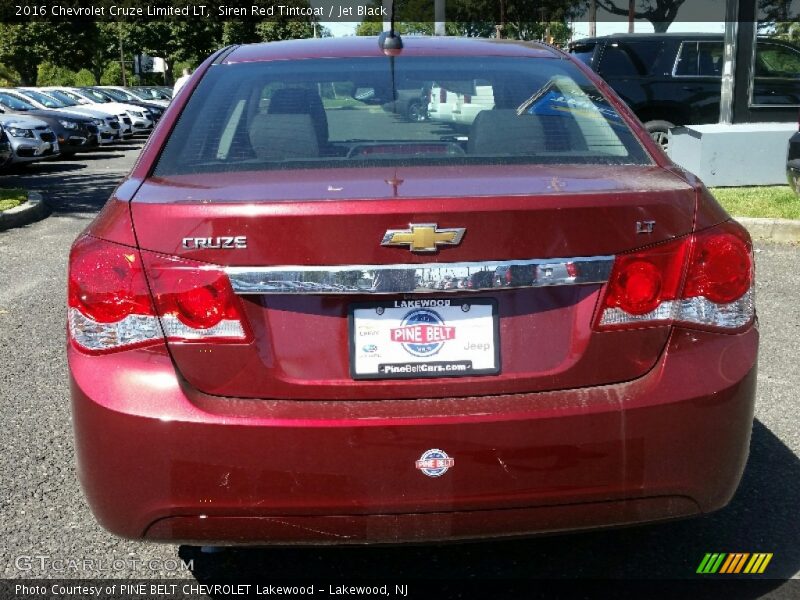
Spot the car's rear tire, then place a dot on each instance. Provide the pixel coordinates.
(659, 131)
(416, 112)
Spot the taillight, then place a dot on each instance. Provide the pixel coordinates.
(194, 300)
(706, 279)
(467, 99)
(110, 305)
(442, 95)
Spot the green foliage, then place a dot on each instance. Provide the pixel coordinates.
(50, 74)
(64, 43)
(11, 198)
(94, 47)
(774, 202)
(284, 29)
(8, 77)
(514, 19)
(789, 31)
(112, 74)
(239, 32)
(85, 77)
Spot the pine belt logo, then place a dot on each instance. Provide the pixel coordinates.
(423, 332)
(434, 462)
(734, 563)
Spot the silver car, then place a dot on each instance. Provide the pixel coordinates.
(31, 139)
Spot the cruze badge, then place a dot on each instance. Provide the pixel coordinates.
(435, 462)
(423, 237)
(238, 242)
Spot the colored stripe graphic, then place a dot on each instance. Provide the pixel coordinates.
(734, 563)
(711, 563)
(758, 563)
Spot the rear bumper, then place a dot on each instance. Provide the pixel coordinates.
(160, 461)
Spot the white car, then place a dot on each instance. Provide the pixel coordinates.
(141, 119)
(107, 125)
(31, 139)
(452, 107)
(112, 108)
(134, 95)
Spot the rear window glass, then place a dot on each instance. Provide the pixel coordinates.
(351, 112)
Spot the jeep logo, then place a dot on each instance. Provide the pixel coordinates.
(238, 242)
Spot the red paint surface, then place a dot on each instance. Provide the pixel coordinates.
(273, 441)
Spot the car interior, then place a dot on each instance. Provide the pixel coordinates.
(278, 120)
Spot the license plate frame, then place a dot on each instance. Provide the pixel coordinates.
(410, 368)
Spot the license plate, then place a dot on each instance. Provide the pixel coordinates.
(400, 339)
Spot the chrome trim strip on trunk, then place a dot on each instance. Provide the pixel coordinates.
(426, 278)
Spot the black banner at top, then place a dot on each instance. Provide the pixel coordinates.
(418, 11)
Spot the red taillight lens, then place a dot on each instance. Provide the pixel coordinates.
(467, 99)
(703, 279)
(194, 300)
(106, 281)
(636, 289)
(721, 269)
(640, 282)
(442, 95)
(110, 305)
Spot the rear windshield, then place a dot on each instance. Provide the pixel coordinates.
(396, 111)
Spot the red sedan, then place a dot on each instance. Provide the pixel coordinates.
(263, 347)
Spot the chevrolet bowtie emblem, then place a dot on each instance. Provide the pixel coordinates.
(423, 237)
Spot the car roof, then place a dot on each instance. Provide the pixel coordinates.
(367, 46)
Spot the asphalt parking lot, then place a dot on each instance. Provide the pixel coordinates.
(43, 512)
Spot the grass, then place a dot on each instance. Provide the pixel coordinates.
(12, 197)
(343, 102)
(775, 201)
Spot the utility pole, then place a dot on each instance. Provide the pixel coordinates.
(122, 58)
(631, 12)
(439, 18)
(592, 18)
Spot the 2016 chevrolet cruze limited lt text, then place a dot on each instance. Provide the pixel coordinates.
(303, 318)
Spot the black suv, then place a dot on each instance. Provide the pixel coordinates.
(675, 79)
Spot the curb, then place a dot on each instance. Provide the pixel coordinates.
(775, 230)
(33, 210)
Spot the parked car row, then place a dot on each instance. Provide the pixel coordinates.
(45, 122)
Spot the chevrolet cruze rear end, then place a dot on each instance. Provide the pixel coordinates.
(264, 347)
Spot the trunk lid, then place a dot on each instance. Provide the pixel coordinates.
(302, 344)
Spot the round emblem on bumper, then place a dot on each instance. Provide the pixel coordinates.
(434, 462)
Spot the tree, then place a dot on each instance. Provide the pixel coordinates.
(50, 74)
(23, 47)
(517, 19)
(661, 13)
(85, 77)
(8, 77)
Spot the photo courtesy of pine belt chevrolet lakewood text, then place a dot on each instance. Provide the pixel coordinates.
(308, 316)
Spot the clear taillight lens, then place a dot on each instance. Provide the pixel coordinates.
(111, 308)
(704, 279)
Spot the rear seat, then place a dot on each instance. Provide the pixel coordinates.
(283, 137)
(503, 131)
